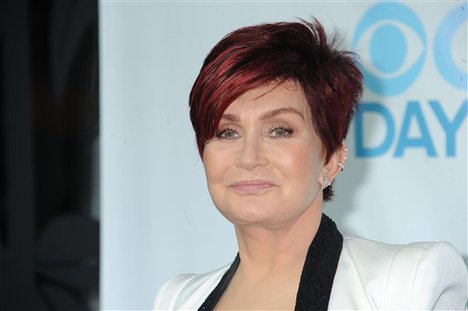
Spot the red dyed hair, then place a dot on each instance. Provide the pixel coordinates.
(254, 56)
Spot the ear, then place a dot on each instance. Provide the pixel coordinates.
(334, 166)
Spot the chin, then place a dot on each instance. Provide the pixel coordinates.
(248, 214)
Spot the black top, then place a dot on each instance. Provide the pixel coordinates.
(317, 275)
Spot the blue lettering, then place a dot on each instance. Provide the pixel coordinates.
(363, 151)
(413, 111)
(450, 128)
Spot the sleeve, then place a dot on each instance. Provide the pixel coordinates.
(437, 278)
(441, 278)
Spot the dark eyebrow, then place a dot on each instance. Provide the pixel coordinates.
(274, 113)
(266, 115)
(230, 117)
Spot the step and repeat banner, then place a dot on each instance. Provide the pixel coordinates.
(406, 179)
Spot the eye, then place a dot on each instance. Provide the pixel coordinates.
(392, 43)
(281, 131)
(227, 133)
(390, 48)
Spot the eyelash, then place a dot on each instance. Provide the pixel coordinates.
(220, 133)
(288, 130)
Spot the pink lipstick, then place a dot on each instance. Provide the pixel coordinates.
(252, 187)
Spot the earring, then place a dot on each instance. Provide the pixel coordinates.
(341, 166)
(326, 183)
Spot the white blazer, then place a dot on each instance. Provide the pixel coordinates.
(370, 275)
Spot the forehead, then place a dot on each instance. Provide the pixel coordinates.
(270, 96)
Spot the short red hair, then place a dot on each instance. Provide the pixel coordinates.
(254, 56)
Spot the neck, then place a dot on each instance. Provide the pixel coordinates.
(264, 250)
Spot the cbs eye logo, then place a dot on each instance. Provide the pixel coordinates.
(452, 31)
(392, 43)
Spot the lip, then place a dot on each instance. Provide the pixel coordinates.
(252, 186)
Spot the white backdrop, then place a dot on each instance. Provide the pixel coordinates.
(406, 179)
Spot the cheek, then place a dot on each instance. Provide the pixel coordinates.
(214, 162)
(303, 165)
(303, 175)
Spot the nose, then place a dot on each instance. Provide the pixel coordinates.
(251, 153)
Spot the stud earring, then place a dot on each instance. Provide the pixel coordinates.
(326, 183)
(341, 166)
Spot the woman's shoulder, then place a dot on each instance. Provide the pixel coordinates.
(399, 257)
(422, 275)
(357, 247)
(187, 291)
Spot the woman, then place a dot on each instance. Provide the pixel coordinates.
(271, 108)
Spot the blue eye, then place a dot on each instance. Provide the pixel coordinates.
(227, 133)
(281, 131)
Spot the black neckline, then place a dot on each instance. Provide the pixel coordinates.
(317, 275)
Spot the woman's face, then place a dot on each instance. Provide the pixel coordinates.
(265, 163)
